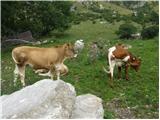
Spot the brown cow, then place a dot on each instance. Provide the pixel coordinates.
(119, 55)
(40, 58)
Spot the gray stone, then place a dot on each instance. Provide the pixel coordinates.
(88, 106)
(26, 36)
(44, 99)
(50, 99)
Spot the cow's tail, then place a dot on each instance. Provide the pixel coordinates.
(14, 57)
(18, 60)
(106, 70)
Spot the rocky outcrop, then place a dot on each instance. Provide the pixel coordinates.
(44, 99)
(50, 99)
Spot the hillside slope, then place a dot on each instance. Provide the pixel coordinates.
(83, 7)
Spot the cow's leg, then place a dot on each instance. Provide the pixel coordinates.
(16, 74)
(52, 74)
(111, 72)
(58, 74)
(58, 70)
(52, 71)
(112, 68)
(43, 71)
(65, 71)
(45, 74)
(126, 71)
(119, 72)
(22, 73)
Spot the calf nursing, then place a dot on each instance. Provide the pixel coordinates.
(40, 59)
(62, 68)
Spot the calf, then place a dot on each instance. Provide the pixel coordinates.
(62, 68)
(119, 55)
(40, 59)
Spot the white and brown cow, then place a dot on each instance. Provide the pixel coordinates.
(40, 59)
(119, 55)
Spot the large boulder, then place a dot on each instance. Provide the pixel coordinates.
(88, 106)
(44, 99)
(50, 99)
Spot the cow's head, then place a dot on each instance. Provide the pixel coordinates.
(69, 50)
(135, 63)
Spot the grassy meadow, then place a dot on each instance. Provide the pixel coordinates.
(140, 92)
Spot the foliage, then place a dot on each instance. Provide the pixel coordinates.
(125, 30)
(84, 16)
(90, 10)
(154, 18)
(111, 16)
(146, 15)
(105, 13)
(132, 4)
(150, 32)
(40, 17)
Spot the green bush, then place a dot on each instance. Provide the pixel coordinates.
(125, 30)
(40, 17)
(150, 32)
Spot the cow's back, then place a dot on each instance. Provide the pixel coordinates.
(120, 53)
(35, 56)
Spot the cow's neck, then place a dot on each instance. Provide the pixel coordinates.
(131, 56)
(62, 57)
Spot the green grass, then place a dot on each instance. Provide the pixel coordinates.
(141, 90)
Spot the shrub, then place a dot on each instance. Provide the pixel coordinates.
(126, 30)
(39, 17)
(150, 32)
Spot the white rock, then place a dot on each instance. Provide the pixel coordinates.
(37, 43)
(45, 41)
(44, 99)
(88, 106)
(78, 46)
(102, 22)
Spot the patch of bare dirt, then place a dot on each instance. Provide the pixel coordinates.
(120, 111)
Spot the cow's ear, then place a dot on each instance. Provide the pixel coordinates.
(140, 58)
(67, 45)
